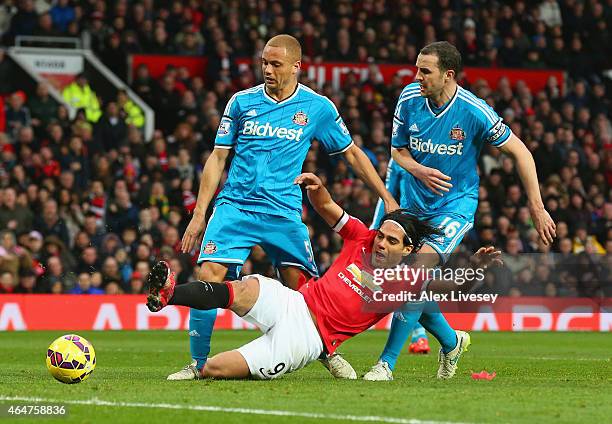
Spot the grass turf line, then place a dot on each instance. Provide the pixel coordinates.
(543, 377)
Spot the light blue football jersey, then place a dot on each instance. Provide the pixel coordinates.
(271, 140)
(450, 140)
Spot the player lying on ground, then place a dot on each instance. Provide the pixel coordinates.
(300, 326)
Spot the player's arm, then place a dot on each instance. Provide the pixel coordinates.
(209, 181)
(432, 178)
(365, 171)
(320, 199)
(485, 257)
(529, 177)
(227, 135)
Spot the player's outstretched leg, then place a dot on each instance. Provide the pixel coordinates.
(201, 295)
(161, 286)
(419, 343)
(201, 323)
(195, 294)
(226, 365)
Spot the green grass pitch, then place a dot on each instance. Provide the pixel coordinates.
(541, 377)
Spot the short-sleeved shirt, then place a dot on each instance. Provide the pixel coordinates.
(271, 140)
(343, 300)
(448, 139)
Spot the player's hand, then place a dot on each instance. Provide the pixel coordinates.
(391, 205)
(192, 233)
(433, 179)
(486, 257)
(310, 181)
(544, 224)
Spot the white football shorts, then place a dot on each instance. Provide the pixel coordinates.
(290, 339)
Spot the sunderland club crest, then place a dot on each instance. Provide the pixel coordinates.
(457, 133)
(210, 248)
(300, 118)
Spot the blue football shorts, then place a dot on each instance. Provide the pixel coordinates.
(232, 232)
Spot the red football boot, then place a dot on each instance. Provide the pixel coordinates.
(420, 346)
(161, 286)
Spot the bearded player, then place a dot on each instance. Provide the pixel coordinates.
(299, 326)
(439, 130)
(270, 127)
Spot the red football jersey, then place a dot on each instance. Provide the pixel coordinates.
(339, 300)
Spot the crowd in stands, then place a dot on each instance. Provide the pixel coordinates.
(564, 34)
(87, 204)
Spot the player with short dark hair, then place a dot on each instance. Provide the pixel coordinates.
(449, 58)
(439, 130)
(270, 127)
(299, 326)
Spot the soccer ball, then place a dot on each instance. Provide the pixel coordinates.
(70, 359)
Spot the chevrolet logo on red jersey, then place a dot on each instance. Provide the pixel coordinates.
(363, 277)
